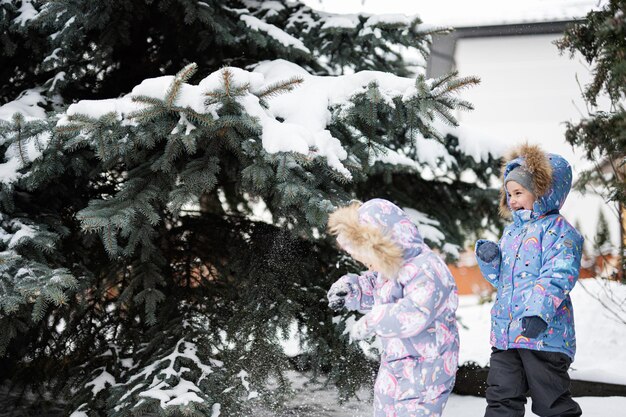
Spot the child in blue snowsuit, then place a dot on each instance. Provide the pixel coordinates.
(411, 299)
(534, 267)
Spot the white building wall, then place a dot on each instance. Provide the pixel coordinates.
(527, 92)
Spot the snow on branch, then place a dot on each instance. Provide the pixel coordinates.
(275, 32)
(24, 141)
(168, 381)
(428, 228)
(270, 8)
(26, 12)
(27, 104)
(296, 121)
(389, 20)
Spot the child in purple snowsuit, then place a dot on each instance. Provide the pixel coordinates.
(411, 299)
(534, 267)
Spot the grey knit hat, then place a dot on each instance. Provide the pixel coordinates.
(522, 176)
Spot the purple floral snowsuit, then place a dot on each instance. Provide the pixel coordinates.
(414, 317)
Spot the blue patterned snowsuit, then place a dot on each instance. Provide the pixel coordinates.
(537, 268)
(414, 317)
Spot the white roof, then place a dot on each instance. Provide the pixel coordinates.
(463, 13)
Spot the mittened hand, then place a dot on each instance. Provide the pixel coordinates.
(337, 295)
(486, 250)
(533, 326)
(360, 330)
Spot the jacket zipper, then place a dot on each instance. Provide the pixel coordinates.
(522, 236)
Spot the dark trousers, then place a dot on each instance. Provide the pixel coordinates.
(514, 372)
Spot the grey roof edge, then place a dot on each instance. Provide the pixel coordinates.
(441, 59)
(515, 29)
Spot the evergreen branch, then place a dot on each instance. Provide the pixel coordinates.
(280, 87)
(231, 121)
(18, 121)
(190, 144)
(181, 77)
(215, 95)
(68, 130)
(39, 309)
(227, 77)
(86, 120)
(173, 150)
(204, 119)
(241, 90)
(148, 114)
(464, 105)
(438, 82)
(446, 115)
(153, 101)
(458, 84)
(109, 239)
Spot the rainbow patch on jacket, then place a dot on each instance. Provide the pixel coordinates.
(531, 241)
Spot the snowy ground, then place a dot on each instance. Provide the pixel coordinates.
(313, 400)
(601, 357)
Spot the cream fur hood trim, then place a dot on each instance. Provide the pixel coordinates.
(365, 243)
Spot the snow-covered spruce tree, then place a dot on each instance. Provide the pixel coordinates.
(601, 39)
(137, 276)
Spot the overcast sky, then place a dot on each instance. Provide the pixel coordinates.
(463, 12)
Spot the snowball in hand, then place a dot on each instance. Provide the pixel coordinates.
(337, 295)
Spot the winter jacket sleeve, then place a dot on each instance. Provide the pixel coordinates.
(490, 270)
(361, 294)
(561, 254)
(415, 311)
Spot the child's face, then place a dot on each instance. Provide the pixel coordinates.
(519, 197)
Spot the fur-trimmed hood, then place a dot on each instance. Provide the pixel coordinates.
(379, 231)
(552, 178)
